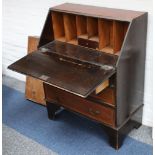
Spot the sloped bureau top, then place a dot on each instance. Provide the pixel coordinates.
(102, 12)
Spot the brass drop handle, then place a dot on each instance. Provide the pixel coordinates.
(94, 112)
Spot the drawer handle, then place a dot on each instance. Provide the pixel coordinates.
(94, 112)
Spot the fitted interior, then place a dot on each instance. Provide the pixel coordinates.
(98, 33)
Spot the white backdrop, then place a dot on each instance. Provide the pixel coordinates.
(26, 17)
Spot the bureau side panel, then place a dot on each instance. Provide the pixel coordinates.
(131, 70)
(47, 34)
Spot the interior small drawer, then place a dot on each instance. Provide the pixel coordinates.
(81, 105)
(106, 96)
(88, 43)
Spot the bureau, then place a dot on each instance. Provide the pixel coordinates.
(92, 62)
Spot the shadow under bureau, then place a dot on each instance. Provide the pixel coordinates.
(92, 62)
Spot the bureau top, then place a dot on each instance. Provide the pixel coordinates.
(101, 12)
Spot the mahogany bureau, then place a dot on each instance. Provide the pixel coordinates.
(92, 62)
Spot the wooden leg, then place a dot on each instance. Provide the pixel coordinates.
(137, 125)
(52, 109)
(117, 136)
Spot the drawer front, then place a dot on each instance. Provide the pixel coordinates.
(88, 43)
(86, 107)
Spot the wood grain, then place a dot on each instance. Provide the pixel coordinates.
(102, 86)
(111, 25)
(106, 96)
(92, 27)
(58, 25)
(126, 25)
(104, 33)
(118, 32)
(81, 24)
(109, 34)
(103, 114)
(34, 88)
(32, 43)
(101, 12)
(88, 43)
(70, 27)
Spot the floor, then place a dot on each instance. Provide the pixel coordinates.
(12, 137)
(15, 143)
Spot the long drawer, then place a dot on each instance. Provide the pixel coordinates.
(101, 113)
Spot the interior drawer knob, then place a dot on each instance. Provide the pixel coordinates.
(94, 112)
